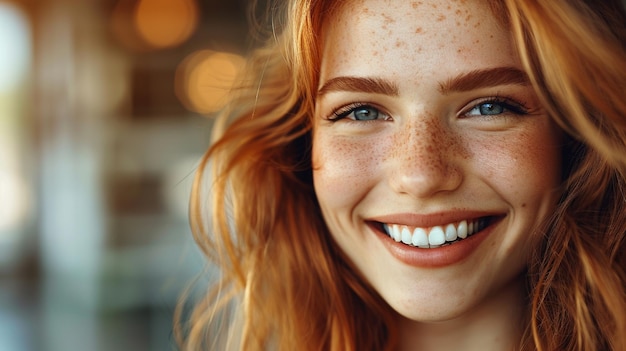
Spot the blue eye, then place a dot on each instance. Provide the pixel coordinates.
(494, 108)
(365, 113)
(359, 112)
(490, 109)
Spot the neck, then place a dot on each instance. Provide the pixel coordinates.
(495, 325)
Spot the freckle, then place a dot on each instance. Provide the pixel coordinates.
(434, 6)
(388, 19)
(375, 53)
(414, 4)
(477, 25)
(434, 153)
(523, 205)
(458, 12)
(441, 18)
(449, 7)
(468, 18)
(458, 24)
(419, 30)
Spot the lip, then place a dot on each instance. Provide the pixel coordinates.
(433, 257)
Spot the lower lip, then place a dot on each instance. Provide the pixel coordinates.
(437, 257)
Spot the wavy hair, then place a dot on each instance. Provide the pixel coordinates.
(575, 54)
(285, 285)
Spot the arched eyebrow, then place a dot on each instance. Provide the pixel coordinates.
(371, 85)
(484, 78)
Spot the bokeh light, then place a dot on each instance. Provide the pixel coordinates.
(204, 79)
(166, 23)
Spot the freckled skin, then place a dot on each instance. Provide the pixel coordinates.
(428, 152)
(430, 156)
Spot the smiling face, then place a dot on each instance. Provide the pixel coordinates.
(433, 160)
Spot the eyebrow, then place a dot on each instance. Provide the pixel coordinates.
(484, 78)
(371, 85)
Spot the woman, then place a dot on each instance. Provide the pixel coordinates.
(397, 175)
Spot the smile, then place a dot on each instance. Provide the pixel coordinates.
(436, 236)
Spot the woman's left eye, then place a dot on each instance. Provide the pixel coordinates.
(495, 107)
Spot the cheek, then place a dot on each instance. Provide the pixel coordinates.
(343, 168)
(524, 166)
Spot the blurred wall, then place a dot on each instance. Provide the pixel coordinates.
(105, 108)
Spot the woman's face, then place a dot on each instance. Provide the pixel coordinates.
(433, 160)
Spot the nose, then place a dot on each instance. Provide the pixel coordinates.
(425, 159)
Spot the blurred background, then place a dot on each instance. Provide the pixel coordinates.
(105, 108)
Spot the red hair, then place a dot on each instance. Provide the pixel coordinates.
(284, 283)
(575, 55)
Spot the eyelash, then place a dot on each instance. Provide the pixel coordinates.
(509, 107)
(344, 111)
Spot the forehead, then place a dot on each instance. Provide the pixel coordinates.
(368, 33)
(461, 11)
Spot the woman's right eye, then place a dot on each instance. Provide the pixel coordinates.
(359, 112)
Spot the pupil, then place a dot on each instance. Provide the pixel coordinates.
(491, 109)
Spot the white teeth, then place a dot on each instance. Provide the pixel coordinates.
(420, 238)
(407, 236)
(436, 236)
(395, 233)
(462, 230)
(451, 232)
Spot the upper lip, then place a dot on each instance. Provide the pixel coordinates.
(432, 219)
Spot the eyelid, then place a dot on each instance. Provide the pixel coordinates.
(512, 105)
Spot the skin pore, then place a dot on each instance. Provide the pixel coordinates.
(425, 121)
